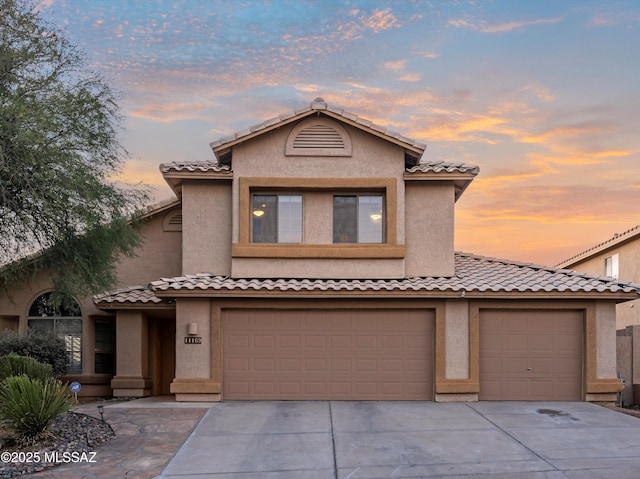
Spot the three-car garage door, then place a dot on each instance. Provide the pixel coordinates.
(328, 354)
(531, 355)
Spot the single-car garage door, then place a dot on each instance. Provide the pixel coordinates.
(531, 355)
(328, 354)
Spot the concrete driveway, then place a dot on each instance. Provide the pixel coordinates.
(368, 440)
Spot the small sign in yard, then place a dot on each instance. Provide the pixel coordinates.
(75, 387)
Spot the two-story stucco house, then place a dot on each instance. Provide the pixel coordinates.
(617, 257)
(313, 258)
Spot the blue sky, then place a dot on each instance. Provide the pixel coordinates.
(543, 95)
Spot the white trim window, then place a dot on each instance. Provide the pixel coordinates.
(612, 266)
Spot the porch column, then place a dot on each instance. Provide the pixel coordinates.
(132, 356)
(194, 381)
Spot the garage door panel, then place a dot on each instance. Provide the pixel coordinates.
(359, 354)
(289, 364)
(540, 343)
(546, 366)
(568, 343)
(512, 342)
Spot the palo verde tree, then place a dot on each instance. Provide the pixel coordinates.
(60, 212)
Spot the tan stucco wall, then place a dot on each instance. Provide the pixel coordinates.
(371, 158)
(605, 339)
(317, 268)
(159, 256)
(429, 211)
(457, 339)
(132, 344)
(627, 313)
(193, 360)
(206, 227)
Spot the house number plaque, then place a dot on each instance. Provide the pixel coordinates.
(193, 340)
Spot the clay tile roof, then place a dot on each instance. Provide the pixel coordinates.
(317, 105)
(615, 240)
(203, 166)
(134, 294)
(443, 166)
(474, 273)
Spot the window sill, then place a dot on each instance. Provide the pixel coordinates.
(317, 251)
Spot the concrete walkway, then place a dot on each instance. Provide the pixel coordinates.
(356, 440)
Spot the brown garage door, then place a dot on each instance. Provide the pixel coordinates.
(531, 355)
(328, 354)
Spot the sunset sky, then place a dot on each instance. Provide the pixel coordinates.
(542, 95)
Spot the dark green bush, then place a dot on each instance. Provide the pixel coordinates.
(28, 405)
(45, 349)
(13, 365)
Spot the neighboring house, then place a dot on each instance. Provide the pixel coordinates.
(618, 257)
(314, 259)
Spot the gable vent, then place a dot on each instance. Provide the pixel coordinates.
(318, 136)
(175, 220)
(172, 221)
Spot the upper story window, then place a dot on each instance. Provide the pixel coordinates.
(358, 219)
(281, 217)
(611, 267)
(276, 218)
(63, 321)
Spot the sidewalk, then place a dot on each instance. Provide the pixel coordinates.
(148, 431)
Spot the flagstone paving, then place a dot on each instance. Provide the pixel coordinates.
(148, 434)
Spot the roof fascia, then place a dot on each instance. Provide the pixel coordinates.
(398, 141)
(129, 305)
(616, 241)
(241, 136)
(160, 209)
(461, 181)
(476, 295)
(225, 147)
(175, 179)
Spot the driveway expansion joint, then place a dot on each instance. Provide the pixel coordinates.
(497, 426)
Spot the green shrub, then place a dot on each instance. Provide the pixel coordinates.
(13, 365)
(28, 405)
(45, 349)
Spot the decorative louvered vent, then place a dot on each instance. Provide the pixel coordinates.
(318, 137)
(172, 221)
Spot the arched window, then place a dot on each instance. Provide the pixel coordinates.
(64, 321)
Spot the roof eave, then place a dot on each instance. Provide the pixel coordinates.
(461, 181)
(175, 179)
(224, 146)
(618, 297)
(612, 243)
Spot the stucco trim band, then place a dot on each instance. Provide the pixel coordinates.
(317, 251)
(194, 386)
(130, 383)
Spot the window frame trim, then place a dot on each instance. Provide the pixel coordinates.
(244, 248)
(277, 194)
